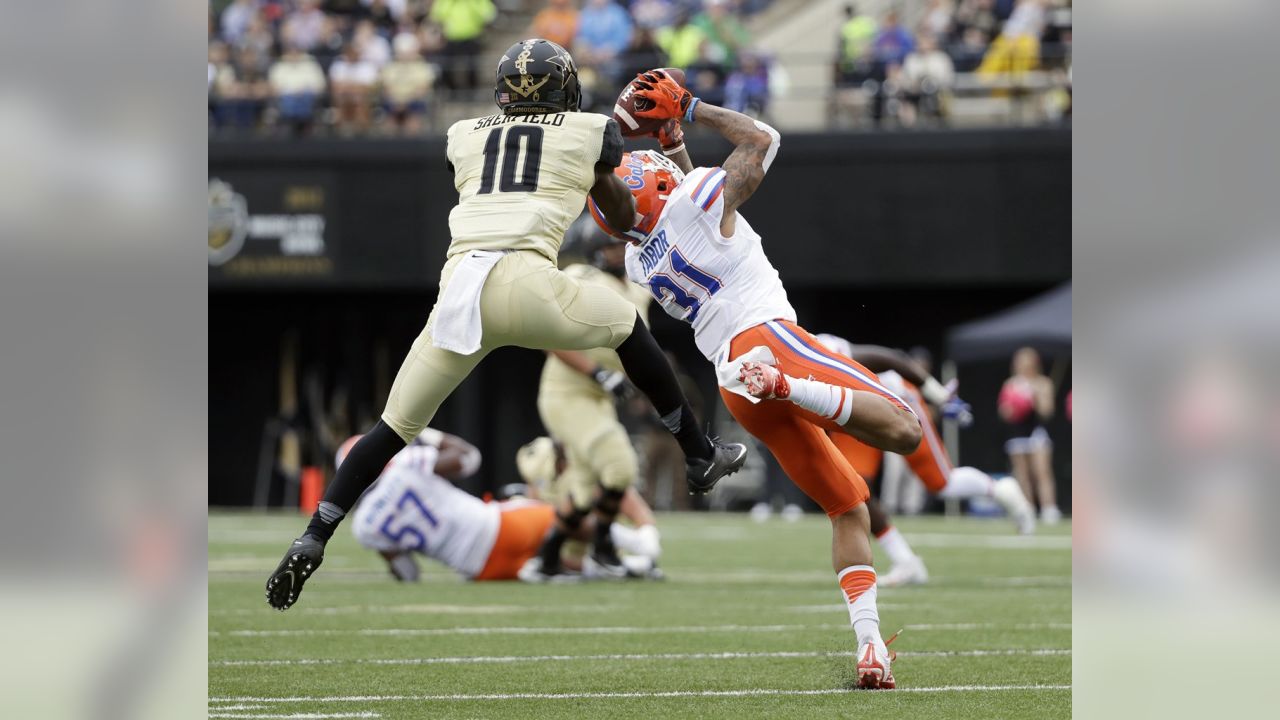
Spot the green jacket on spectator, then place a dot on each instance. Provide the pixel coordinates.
(726, 35)
(462, 19)
(682, 44)
(856, 37)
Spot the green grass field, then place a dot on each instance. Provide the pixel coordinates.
(749, 624)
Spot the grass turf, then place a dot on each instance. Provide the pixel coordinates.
(749, 624)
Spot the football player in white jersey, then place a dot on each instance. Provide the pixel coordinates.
(704, 264)
(522, 177)
(414, 508)
(930, 461)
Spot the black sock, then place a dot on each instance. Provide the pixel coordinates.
(567, 522)
(648, 368)
(550, 550)
(606, 512)
(362, 466)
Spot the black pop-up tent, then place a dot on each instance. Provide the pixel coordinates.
(1043, 322)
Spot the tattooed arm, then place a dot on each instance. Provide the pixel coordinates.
(755, 145)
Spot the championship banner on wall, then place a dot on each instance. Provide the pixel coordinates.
(272, 227)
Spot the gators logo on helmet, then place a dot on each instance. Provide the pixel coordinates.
(651, 178)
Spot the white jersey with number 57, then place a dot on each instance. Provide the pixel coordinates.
(721, 286)
(411, 508)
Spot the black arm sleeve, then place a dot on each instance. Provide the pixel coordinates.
(611, 147)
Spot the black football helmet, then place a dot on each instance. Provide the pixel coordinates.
(536, 76)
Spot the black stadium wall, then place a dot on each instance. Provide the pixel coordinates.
(333, 248)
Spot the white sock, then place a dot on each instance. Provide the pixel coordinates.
(642, 541)
(858, 584)
(829, 401)
(895, 546)
(966, 482)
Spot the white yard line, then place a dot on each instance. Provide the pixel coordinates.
(626, 695)
(619, 630)
(217, 713)
(505, 659)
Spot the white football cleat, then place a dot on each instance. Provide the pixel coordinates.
(1008, 493)
(764, 381)
(761, 511)
(912, 572)
(1050, 515)
(874, 672)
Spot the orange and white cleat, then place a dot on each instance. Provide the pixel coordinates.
(764, 381)
(873, 668)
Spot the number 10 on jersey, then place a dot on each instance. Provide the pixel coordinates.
(527, 181)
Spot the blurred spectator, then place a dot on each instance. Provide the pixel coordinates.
(747, 88)
(893, 42)
(397, 10)
(644, 54)
(306, 26)
(653, 14)
(926, 78)
(975, 14)
(683, 42)
(604, 32)
(351, 84)
(966, 54)
(258, 36)
(936, 20)
(557, 22)
(240, 89)
(723, 31)
(1017, 48)
(297, 82)
(406, 85)
(235, 19)
(857, 38)
(705, 77)
(463, 23)
(373, 48)
(383, 16)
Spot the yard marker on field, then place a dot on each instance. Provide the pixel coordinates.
(750, 692)
(615, 630)
(507, 659)
(217, 713)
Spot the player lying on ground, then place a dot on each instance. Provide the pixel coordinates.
(549, 474)
(576, 402)
(930, 462)
(522, 177)
(705, 265)
(414, 508)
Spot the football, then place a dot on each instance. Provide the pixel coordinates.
(624, 110)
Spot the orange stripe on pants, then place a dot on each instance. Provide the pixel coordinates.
(797, 437)
(521, 529)
(929, 461)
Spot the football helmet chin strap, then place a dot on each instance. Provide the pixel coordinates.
(773, 146)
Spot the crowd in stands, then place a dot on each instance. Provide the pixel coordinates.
(383, 66)
(907, 75)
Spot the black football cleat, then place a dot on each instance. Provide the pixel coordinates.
(285, 584)
(607, 562)
(726, 459)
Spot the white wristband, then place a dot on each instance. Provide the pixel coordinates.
(773, 146)
(935, 392)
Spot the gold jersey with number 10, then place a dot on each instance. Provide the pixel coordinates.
(522, 179)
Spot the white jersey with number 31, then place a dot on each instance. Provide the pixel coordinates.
(721, 286)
